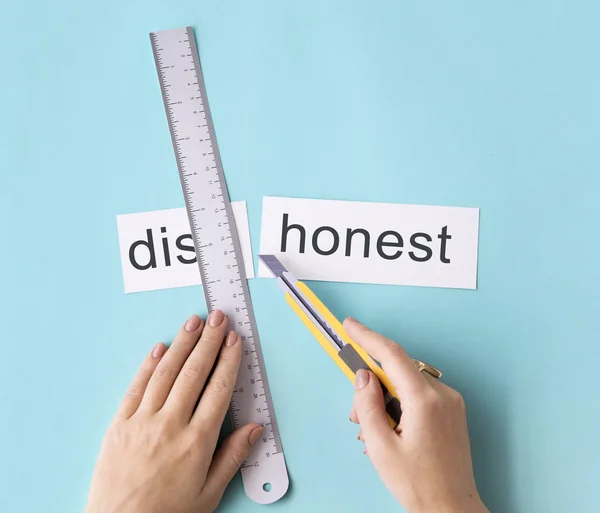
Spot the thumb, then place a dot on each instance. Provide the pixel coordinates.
(230, 457)
(370, 409)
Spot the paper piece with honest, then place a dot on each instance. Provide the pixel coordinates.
(364, 242)
(157, 250)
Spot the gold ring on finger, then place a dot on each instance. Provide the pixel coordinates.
(429, 369)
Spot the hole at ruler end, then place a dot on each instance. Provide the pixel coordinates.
(267, 487)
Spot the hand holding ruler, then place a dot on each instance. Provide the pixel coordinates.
(218, 249)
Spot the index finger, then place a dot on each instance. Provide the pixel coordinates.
(393, 358)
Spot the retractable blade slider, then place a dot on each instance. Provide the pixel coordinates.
(279, 271)
(330, 334)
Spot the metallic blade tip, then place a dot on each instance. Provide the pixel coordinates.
(273, 264)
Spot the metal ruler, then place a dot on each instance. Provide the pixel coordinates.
(264, 474)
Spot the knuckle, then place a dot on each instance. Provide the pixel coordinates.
(430, 400)
(210, 338)
(190, 446)
(163, 432)
(192, 371)
(163, 373)
(162, 436)
(457, 398)
(135, 391)
(114, 435)
(218, 386)
(394, 350)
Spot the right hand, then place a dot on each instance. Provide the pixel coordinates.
(426, 462)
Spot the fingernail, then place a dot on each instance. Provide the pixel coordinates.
(159, 350)
(362, 378)
(255, 435)
(359, 437)
(216, 318)
(193, 323)
(231, 339)
(352, 319)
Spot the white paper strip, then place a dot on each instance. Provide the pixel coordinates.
(157, 251)
(372, 242)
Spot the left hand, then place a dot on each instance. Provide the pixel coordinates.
(159, 452)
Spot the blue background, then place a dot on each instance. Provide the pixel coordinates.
(486, 104)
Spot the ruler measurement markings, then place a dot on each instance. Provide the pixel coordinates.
(224, 284)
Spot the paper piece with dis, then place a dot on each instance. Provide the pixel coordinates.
(363, 242)
(157, 250)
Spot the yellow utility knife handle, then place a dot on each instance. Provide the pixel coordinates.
(363, 361)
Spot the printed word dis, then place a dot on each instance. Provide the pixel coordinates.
(157, 249)
(150, 253)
